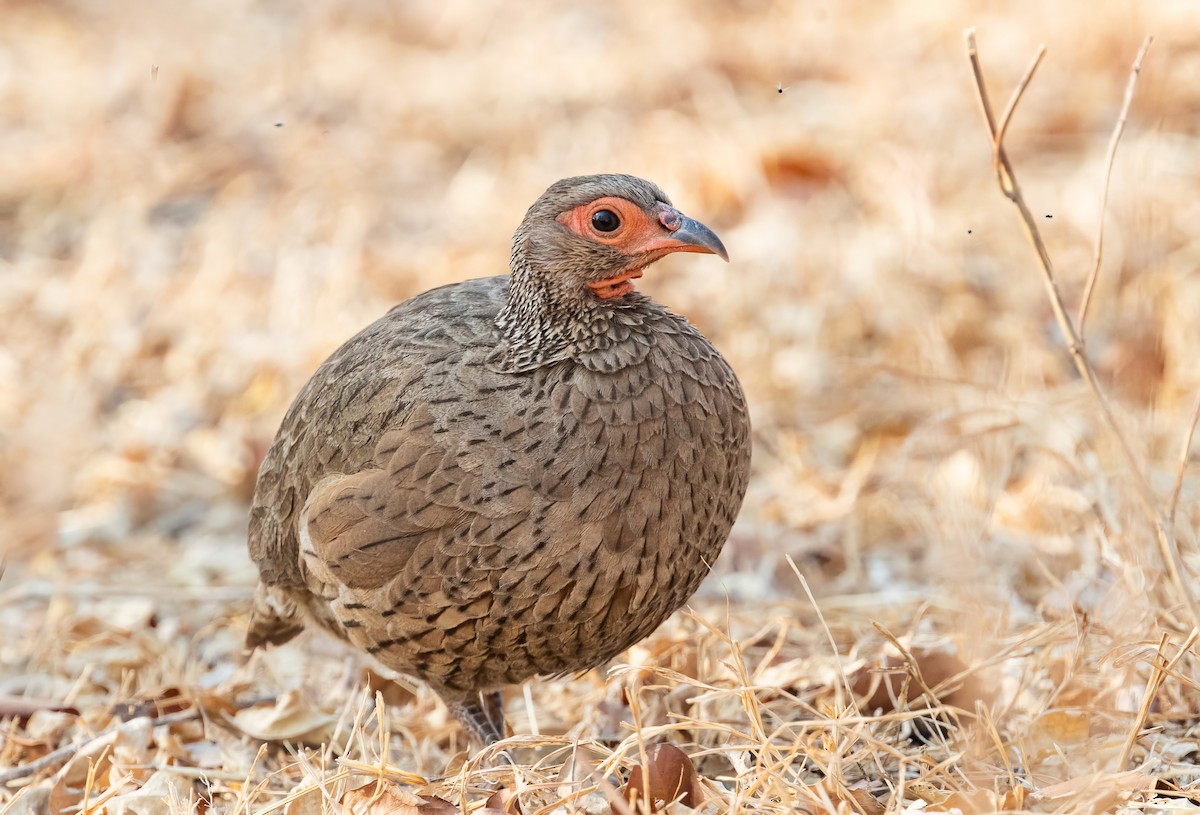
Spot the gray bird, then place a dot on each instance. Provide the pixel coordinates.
(514, 476)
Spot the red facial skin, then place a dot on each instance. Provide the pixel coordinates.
(644, 236)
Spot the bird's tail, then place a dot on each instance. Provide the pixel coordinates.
(275, 618)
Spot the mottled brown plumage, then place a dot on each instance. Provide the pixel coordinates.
(512, 476)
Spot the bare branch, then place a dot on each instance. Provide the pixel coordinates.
(1009, 186)
(1006, 117)
(1118, 130)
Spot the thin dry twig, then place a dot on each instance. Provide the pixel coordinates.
(11, 805)
(1185, 453)
(1113, 142)
(303, 790)
(1162, 669)
(1012, 190)
(93, 765)
(845, 683)
(910, 661)
(114, 789)
(1006, 116)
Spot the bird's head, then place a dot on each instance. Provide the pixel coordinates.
(591, 236)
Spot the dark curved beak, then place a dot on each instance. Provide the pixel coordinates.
(694, 236)
(687, 235)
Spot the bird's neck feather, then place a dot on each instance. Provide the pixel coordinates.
(541, 324)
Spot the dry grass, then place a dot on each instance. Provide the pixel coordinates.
(199, 201)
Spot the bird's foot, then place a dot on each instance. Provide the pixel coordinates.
(481, 717)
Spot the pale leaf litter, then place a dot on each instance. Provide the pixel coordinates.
(197, 205)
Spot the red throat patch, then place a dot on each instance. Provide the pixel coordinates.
(611, 288)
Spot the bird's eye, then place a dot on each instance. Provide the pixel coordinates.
(605, 220)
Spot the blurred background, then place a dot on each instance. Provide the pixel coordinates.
(200, 201)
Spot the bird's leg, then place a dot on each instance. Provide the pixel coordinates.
(482, 717)
(493, 708)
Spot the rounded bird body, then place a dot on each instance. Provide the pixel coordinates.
(513, 476)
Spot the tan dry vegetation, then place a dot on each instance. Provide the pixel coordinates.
(199, 201)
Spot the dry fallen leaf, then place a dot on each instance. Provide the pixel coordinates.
(164, 793)
(131, 753)
(968, 803)
(886, 682)
(862, 801)
(595, 803)
(386, 798)
(49, 725)
(1096, 792)
(504, 800)
(667, 776)
(93, 758)
(292, 718)
(310, 801)
(1058, 729)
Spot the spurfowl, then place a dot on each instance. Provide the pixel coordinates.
(511, 476)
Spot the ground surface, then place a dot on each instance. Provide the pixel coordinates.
(199, 201)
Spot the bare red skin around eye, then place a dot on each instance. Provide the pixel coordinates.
(643, 236)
